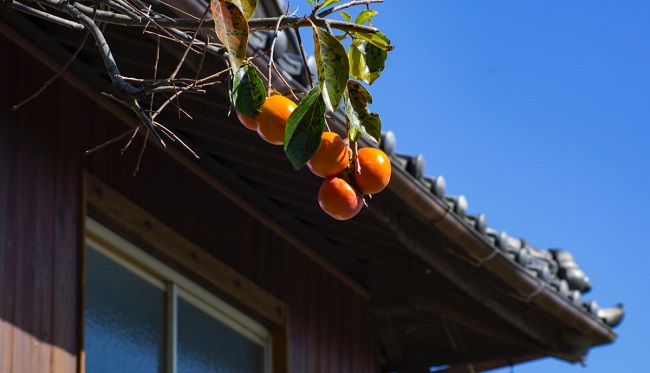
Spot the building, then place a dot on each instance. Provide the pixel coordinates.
(227, 260)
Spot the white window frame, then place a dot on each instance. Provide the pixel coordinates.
(124, 253)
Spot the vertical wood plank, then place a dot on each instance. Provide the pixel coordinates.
(8, 149)
(67, 232)
(20, 229)
(29, 149)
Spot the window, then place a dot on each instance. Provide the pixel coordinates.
(142, 316)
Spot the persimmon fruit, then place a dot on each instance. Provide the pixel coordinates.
(338, 199)
(248, 122)
(374, 174)
(332, 157)
(272, 119)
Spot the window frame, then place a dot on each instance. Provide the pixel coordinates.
(175, 286)
(110, 220)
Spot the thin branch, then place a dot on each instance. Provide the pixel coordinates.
(155, 72)
(275, 38)
(122, 7)
(58, 73)
(187, 50)
(296, 22)
(144, 145)
(144, 118)
(104, 49)
(174, 88)
(50, 17)
(337, 8)
(137, 129)
(168, 101)
(304, 58)
(279, 75)
(118, 100)
(111, 141)
(255, 24)
(212, 47)
(202, 80)
(180, 141)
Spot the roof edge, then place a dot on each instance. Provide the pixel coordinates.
(436, 213)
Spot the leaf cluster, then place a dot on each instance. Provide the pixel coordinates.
(340, 72)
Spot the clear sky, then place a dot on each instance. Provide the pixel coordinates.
(539, 113)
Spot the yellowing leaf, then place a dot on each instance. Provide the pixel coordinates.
(328, 3)
(366, 60)
(362, 121)
(377, 39)
(247, 7)
(231, 28)
(333, 67)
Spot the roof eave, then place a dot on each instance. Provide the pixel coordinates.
(438, 215)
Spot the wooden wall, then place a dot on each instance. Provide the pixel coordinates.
(39, 214)
(41, 161)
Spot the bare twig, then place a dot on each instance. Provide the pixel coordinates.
(104, 49)
(122, 7)
(255, 24)
(58, 73)
(144, 145)
(155, 72)
(182, 60)
(128, 143)
(174, 137)
(213, 48)
(275, 38)
(304, 58)
(337, 8)
(279, 75)
(144, 118)
(100, 146)
(45, 15)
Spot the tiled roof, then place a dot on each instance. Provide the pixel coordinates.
(556, 267)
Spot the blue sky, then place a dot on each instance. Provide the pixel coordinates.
(539, 113)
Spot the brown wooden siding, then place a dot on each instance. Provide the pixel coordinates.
(39, 211)
(330, 325)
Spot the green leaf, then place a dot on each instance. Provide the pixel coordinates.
(357, 60)
(346, 16)
(248, 91)
(310, 3)
(333, 67)
(327, 3)
(377, 39)
(247, 7)
(362, 121)
(305, 128)
(366, 60)
(364, 16)
(231, 28)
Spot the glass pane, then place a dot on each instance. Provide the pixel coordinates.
(207, 345)
(123, 320)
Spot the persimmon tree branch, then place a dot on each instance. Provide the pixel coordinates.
(255, 24)
(352, 3)
(189, 31)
